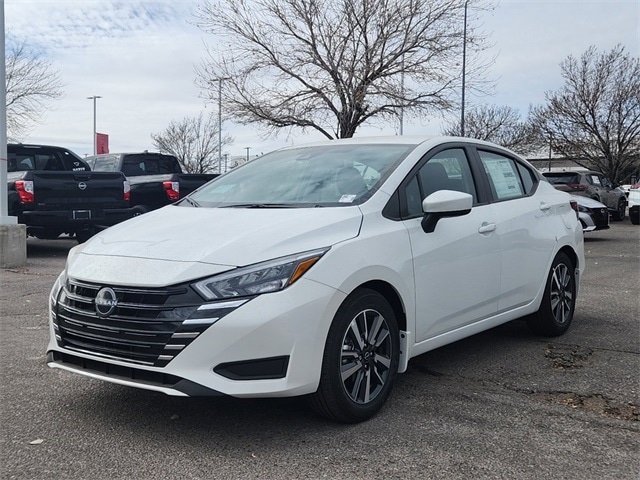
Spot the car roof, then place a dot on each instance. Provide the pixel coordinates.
(400, 140)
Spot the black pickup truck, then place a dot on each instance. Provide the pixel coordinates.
(53, 191)
(156, 179)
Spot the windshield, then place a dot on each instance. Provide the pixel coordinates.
(562, 178)
(327, 175)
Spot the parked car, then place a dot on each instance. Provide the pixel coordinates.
(156, 179)
(634, 205)
(320, 270)
(592, 185)
(53, 191)
(592, 214)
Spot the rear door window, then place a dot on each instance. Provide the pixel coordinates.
(504, 177)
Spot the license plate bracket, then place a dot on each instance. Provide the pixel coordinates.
(82, 214)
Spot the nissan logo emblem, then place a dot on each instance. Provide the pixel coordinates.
(82, 186)
(106, 302)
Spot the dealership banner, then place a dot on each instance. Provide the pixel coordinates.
(102, 143)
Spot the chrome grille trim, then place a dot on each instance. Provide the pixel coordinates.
(200, 321)
(223, 304)
(185, 335)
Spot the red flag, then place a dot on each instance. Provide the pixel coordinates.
(102, 143)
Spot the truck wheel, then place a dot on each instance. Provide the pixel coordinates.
(619, 214)
(360, 360)
(84, 235)
(47, 234)
(139, 210)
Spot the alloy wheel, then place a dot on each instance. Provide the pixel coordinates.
(365, 359)
(562, 293)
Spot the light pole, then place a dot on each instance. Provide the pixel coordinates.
(464, 67)
(219, 80)
(402, 100)
(94, 98)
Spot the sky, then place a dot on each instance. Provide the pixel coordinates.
(140, 57)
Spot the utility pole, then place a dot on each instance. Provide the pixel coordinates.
(95, 134)
(464, 67)
(402, 100)
(219, 80)
(13, 236)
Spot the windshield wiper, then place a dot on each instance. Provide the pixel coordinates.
(260, 205)
(191, 202)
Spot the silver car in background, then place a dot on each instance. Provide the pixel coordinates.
(592, 214)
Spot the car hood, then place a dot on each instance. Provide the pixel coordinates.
(176, 244)
(588, 202)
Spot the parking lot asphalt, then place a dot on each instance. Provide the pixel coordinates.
(501, 404)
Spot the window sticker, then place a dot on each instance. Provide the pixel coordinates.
(347, 198)
(504, 178)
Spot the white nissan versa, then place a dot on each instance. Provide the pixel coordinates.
(320, 270)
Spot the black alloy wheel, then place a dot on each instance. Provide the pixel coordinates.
(360, 360)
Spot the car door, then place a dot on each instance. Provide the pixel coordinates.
(457, 266)
(526, 227)
(596, 191)
(608, 196)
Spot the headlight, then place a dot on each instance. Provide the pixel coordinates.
(583, 209)
(58, 284)
(266, 277)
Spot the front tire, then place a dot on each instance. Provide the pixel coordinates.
(360, 359)
(558, 304)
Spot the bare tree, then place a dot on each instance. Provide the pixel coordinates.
(31, 83)
(594, 119)
(332, 65)
(194, 142)
(497, 124)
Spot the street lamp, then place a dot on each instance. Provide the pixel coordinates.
(464, 65)
(95, 136)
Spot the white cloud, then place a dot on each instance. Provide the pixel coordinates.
(140, 57)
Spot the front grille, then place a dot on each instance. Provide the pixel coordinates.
(600, 216)
(147, 325)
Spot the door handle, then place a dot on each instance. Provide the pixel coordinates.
(545, 206)
(487, 228)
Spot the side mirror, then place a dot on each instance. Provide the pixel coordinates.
(443, 204)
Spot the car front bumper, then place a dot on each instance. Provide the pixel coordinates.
(592, 220)
(270, 346)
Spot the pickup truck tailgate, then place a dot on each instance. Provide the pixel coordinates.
(79, 190)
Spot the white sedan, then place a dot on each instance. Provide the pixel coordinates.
(320, 270)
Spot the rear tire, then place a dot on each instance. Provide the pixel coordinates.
(558, 304)
(360, 359)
